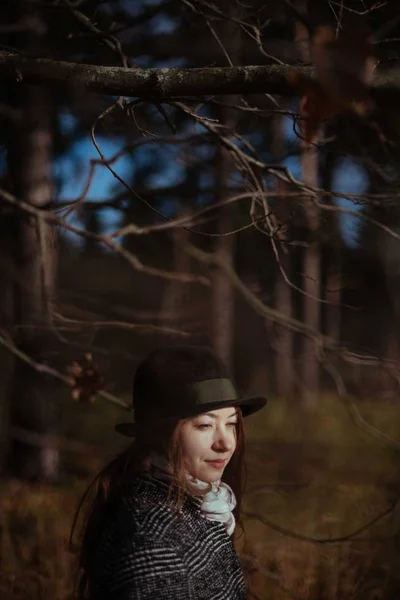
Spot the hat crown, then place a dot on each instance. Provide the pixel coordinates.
(162, 380)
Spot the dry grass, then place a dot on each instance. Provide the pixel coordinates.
(317, 475)
(355, 570)
(34, 530)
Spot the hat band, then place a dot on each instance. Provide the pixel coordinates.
(212, 390)
(182, 402)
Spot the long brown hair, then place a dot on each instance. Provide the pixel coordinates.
(110, 483)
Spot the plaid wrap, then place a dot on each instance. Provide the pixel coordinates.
(149, 551)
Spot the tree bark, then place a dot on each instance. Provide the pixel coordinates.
(311, 256)
(312, 291)
(222, 292)
(158, 84)
(333, 283)
(175, 291)
(283, 292)
(33, 395)
(222, 320)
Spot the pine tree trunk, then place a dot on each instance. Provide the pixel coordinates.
(311, 318)
(283, 292)
(222, 293)
(312, 257)
(333, 284)
(222, 327)
(175, 291)
(33, 396)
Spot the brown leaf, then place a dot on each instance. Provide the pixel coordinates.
(87, 380)
(314, 108)
(343, 69)
(344, 66)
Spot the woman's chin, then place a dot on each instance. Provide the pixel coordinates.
(210, 474)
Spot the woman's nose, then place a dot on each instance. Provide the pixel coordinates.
(224, 440)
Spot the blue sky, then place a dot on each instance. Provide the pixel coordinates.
(72, 171)
(349, 177)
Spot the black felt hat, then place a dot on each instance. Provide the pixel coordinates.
(182, 381)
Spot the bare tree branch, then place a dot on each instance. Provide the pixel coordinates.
(159, 84)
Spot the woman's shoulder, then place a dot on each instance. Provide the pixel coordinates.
(146, 508)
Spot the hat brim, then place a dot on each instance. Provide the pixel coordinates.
(248, 406)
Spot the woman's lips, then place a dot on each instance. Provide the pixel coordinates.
(218, 464)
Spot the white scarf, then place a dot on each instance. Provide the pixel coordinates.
(218, 498)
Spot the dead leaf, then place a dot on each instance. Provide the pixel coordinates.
(344, 66)
(343, 73)
(87, 380)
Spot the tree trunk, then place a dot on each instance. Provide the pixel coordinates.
(176, 291)
(33, 395)
(333, 266)
(312, 256)
(283, 291)
(222, 331)
(312, 285)
(222, 294)
(333, 296)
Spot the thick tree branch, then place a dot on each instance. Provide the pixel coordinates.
(158, 84)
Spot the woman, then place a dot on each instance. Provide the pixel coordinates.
(160, 518)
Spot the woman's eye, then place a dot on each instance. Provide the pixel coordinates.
(232, 424)
(204, 425)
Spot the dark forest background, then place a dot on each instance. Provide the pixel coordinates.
(261, 219)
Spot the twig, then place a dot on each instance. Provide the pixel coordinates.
(47, 370)
(139, 327)
(331, 540)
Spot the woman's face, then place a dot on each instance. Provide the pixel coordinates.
(208, 442)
